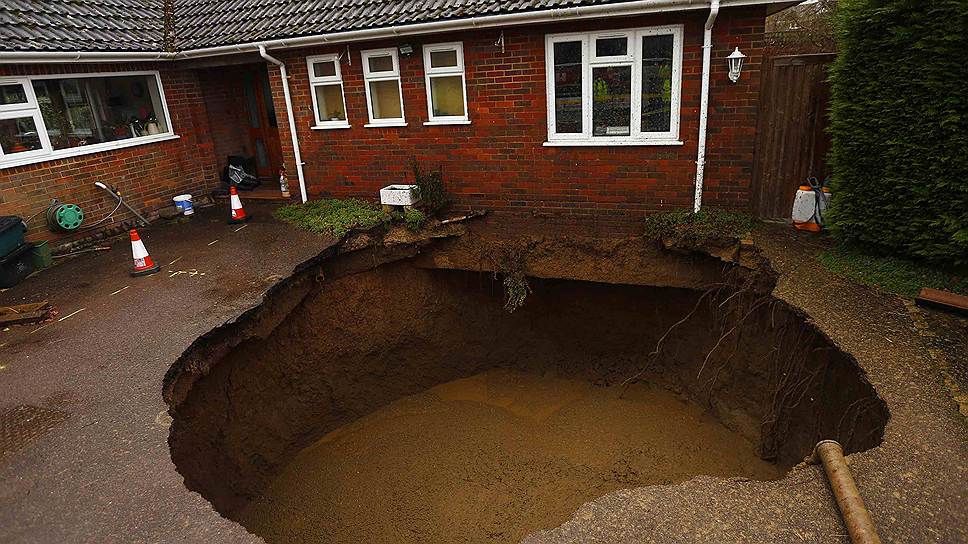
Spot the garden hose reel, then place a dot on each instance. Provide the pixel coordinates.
(64, 217)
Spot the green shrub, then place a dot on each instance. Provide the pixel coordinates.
(336, 217)
(433, 196)
(899, 122)
(414, 219)
(683, 228)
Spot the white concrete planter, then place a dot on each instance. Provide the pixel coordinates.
(399, 195)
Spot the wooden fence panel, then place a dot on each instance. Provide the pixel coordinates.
(792, 143)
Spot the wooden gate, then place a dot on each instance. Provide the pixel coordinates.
(791, 141)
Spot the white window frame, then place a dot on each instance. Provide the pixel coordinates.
(393, 75)
(19, 111)
(449, 71)
(47, 153)
(322, 81)
(633, 59)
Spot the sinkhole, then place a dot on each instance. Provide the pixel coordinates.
(387, 395)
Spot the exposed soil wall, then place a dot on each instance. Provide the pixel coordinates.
(353, 334)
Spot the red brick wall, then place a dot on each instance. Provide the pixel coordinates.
(498, 162)
(225, 107)
(149, 175)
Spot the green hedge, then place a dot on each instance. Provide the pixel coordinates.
(899, 121)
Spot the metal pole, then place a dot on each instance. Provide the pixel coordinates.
(117, 194)
(857, 518)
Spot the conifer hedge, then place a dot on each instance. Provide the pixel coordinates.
(899, 122)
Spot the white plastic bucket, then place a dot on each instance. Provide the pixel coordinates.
(184, 203)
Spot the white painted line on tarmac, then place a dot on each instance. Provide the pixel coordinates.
(72, 314)
(212, 242)
(175, 261)
(40, 328)
(242, 227)
(119, 290)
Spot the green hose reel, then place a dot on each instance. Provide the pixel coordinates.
(64, 217)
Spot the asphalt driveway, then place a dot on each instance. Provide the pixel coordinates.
(83, 428)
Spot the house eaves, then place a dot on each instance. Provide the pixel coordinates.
(411, 24)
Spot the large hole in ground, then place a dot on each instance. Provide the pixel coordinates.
(403, 403)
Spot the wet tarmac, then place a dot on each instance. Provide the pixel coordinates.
(83, 428)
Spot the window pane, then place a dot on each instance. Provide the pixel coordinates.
(18, 135)
(83, 111)
(267, 101)
(381, 64)
(324, 68)
(447, 96)
(329, 100)
(656, 83)
(251, 101)
(611, 47)
(443, 59)
(568, 77)
(611, 101)
(12, 94)
(385, 96)
(261, 155)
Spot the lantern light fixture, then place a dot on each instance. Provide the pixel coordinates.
(735, 61)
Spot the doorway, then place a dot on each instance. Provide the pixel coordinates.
(243, 120)
(262, 129)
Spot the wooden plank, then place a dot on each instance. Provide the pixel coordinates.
(23, 313)
(945, 300)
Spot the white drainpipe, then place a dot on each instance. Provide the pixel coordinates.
(707, 51)
(292, 119)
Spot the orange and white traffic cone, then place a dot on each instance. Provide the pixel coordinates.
(238, 214)
(143, 265)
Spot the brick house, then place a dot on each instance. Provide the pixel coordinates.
(592, 111)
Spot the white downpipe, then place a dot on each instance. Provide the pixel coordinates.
(707, 51)
(292, 119)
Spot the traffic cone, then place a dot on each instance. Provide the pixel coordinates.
(143, 265)
(238, 214)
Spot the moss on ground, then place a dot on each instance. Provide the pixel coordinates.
(683, 228)
(335, 217)
(890, 274)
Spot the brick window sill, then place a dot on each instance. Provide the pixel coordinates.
(607, 143)
(11, 161)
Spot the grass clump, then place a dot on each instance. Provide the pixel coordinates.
(335, 217)
(890, 274)
(414, 219)
(683, 228)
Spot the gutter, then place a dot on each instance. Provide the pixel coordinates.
(636, 7)
(707, 48)
(292, 119)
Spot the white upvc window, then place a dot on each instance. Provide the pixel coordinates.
(616, 87)
(384, 93)
(326, 88)
(446, 85)
(22, 132)
(56, 116)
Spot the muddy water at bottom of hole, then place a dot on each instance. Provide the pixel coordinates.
(492, 458)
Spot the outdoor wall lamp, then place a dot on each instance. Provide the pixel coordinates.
(406, 49)
(735, 61)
